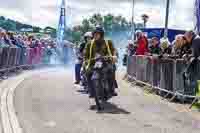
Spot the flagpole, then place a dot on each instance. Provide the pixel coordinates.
(133, 23)
(61, 30)
(166, 19)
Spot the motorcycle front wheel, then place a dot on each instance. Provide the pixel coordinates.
(97, 94)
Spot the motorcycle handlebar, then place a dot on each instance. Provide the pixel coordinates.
(102, 57)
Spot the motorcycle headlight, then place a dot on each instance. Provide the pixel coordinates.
(98, 64)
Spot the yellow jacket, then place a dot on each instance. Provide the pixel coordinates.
(107, 49)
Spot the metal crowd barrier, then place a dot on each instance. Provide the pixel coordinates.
(5, 58)
(22, 58)
(131, 69)
(13, 58)
(155, 75)
(18, 55)
(31, 56)
(165, 75)
(167, 70)
(179, 78)
(148, 69)
(140, 68)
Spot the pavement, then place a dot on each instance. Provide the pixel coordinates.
(48, 102)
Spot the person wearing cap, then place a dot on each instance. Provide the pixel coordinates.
(103, 47)
(79, 54)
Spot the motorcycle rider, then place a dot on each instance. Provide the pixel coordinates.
(103, 47)
(79, 54)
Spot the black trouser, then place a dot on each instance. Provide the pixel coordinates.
(90, 83)
(78, 72)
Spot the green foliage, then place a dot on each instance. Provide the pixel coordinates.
(48, 28)
(51, 31)
(36, 29)
(2, 18)
(110, 23)
(11, 25)
(8, 25)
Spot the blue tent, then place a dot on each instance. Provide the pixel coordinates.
(159, 32)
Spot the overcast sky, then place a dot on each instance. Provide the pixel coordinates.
(45, 12)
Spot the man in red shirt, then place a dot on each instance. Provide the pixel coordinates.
(142, 43)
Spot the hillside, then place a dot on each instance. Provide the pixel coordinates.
(12, 25)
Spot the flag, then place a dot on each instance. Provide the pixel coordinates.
(60, 32)
(62, 23)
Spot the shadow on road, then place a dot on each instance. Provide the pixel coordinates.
(82, 91)
(110, 108)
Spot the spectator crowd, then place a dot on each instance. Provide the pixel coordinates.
(41, 48)
(178, 60)
(11, 39)
(187, 44)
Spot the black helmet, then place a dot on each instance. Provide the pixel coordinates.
(99, 30)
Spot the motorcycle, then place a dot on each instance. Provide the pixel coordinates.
(102, 80)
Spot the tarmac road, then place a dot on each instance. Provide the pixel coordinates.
(50, 103)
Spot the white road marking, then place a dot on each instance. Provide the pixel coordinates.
(10, 123)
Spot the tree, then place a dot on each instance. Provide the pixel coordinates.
(68, 35)
(108, 22)
(11, 25)
(117, 23)
(112, 24)
(36, 29)
(96, 20)
(145, 19)
(2, 18)
(8, 25)
(49, 29)
(76, 36)
(86, 26)
(53, 34)
(124, 23)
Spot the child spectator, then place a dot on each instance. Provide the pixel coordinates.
(155, 48)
